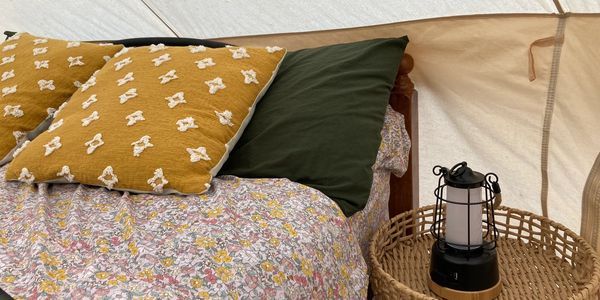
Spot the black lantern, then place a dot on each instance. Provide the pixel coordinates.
(464, 262)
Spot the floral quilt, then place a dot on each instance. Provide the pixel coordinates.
(245, 238)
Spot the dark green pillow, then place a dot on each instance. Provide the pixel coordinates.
(319, 123)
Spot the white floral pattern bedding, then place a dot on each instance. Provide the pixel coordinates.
(245, 238)
(392, 157)
(256, 238)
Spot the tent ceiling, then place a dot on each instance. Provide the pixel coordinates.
(83, 20)
(217, 18)
(581, 6)
(112, 19)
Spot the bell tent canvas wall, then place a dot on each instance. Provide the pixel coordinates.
(474, 67)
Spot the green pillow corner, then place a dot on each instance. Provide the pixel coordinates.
(319, 123)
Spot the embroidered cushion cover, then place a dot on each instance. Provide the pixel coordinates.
(37, 74)
(154, 119)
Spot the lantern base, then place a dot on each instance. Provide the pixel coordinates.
(465, 271)
(448, 293)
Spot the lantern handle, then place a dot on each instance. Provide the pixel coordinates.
(458, 169)
(492, 179)
(439, 170)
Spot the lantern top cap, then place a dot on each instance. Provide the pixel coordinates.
(463, 177)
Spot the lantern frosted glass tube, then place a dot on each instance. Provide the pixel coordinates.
(456, 217)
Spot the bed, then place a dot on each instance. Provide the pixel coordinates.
(245, 238)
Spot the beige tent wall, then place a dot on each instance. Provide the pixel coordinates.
(476, 102)
(575, 132)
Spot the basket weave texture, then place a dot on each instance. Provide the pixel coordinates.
(538, 258)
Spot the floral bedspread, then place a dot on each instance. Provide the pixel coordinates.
(245, 238)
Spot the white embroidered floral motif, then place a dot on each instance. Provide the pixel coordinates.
(197, 154)
(215, 85)
(121, 52)
(75, 61)
(94, 143)
(26, 176)
(21, 148)
(88, 84)
(131, 93)
(38, 51)
(14, 37)
(239, 53)
(158, 181)
(50, 111)
(39, 41)
(89, 101)
(108, 177)
(60, 108)
(140, 145)
(41, 64)
(91, 118)
(19, 136)
(13, 110)
(196, 49)
(106, 58)
(122, 63)
(249, 76)
(273, 49)
(7, 60)
(55, 125)
(186, 123)
(9, 90)
(105, 44)
(153, 48)
(128, 77)
(224, 117)
(203, 63)
(168, 77)
(46, 84)
(77, 84)
(66, 173)
(9, 47)
(73, 44)
(135, 117)
(7, 75)
(52, 146)
(161, 59)
(175, 100)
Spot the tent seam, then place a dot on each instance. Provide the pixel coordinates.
(160, 18)
(549, 110)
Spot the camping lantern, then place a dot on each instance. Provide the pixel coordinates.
(464, 262)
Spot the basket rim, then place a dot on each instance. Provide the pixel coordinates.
(593, 284)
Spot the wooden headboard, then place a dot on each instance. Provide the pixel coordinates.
(404, 191)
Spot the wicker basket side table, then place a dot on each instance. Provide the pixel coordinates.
(539, 258)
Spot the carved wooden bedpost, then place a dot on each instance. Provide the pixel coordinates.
(404, 191)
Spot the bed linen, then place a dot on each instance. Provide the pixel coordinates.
(392, 158)
(248, 238)
(255, 238)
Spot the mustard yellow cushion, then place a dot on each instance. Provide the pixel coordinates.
(37, 74)
(154, 119)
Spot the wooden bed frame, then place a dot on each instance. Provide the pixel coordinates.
(404, 191)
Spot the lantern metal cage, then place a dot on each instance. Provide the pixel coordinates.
(491, 188)
(465, 270)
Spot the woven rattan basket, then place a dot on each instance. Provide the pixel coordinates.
(538, 258)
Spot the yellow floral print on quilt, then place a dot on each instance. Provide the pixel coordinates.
(153, 119)
(37, 74)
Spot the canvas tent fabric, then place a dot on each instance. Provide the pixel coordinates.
(476, 101)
